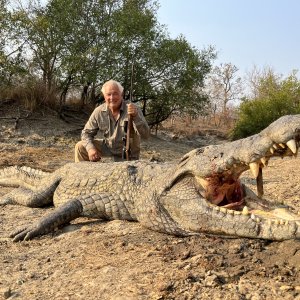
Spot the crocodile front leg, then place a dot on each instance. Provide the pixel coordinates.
(64, 214)
(102, 206)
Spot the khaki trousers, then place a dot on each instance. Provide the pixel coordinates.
(82, 155)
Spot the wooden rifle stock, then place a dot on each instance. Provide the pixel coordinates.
(128, 137)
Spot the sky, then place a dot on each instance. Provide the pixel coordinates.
(246, 33)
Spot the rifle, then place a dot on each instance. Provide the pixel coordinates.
(129, 126)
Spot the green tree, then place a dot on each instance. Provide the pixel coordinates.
(43, 30)
(165, 70)
(176, 80)
(11, 62)
(91, 47)
(276, 96)
(81, 44)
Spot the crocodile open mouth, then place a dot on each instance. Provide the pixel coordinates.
(282, 150)
(226, 190)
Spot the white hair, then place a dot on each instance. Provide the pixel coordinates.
(112, 82)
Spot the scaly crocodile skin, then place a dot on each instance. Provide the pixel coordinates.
(200, 193)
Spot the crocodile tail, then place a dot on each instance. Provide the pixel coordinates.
(21, 176)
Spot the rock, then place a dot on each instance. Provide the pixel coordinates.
(166, 286)
(6, 292)
(212, 280)
(244, 286)
(286, 288)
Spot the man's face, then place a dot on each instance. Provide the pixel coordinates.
(113, 97)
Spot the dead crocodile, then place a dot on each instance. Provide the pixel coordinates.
(201, 193)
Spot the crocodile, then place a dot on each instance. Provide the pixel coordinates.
(202, 193)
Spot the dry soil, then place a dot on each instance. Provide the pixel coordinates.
(118, 260)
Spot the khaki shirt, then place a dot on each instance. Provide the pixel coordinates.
(101, 122)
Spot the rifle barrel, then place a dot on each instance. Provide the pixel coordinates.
(128, 136)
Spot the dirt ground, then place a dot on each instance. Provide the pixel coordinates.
(118, 260)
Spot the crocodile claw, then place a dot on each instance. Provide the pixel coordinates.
(25, 233)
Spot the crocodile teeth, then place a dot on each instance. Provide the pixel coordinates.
(292, 145)
(254, 167)
(275, 146)
(272, 150)
(282, 145)
(245, 211)
(264, 161)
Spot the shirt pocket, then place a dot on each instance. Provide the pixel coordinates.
(103, 129)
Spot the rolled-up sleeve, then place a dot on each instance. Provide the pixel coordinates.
(89, 131)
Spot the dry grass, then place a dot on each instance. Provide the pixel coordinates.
(200, 126)
(32, 94)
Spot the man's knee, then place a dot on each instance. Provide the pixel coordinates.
(80, 152)
(79, 147)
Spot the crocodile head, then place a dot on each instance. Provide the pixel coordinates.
(216, 169)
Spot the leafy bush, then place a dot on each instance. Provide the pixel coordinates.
(256, 115)
(273, 102)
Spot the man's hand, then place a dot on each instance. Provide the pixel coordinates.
(94, 155)
(132, 109)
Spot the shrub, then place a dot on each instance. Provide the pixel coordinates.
(275, 99)
(256, 115)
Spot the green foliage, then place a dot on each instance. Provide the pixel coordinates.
(12, 66)
(71, 45)
(173, 78)
(276, 98)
